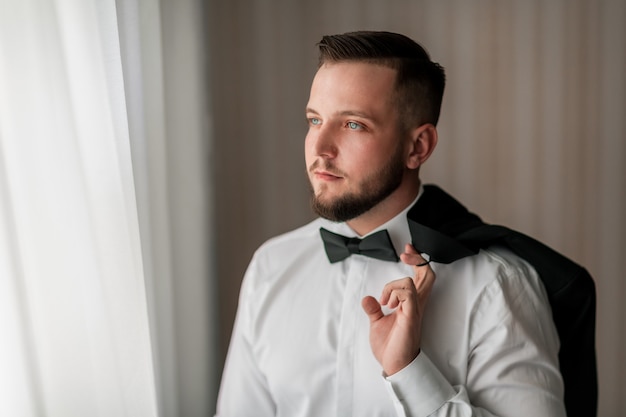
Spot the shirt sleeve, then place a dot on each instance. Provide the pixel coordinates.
(512, 368)
(243, 391)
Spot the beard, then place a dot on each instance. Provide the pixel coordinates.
(371, 190)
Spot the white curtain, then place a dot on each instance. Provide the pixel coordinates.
(164, 65)
(74, 334)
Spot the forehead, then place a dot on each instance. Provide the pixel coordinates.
(343, 85)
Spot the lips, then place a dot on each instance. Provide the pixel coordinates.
(326, 175)
(325, 171)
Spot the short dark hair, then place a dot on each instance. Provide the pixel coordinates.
(419, 81)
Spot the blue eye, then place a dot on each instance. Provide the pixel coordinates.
(354, 125)
(315, 121)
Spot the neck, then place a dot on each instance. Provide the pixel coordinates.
(385, 210)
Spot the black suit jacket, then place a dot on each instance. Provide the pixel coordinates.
(447, 231)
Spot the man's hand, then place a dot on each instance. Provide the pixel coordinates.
(396, 337)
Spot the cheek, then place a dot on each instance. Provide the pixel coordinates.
(308, 151)
(368, 154)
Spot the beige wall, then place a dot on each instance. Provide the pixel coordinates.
(533, 131)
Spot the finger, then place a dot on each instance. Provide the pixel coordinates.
(404, 301)
(372, 308)
(399, 284)
(424, 274)
(412, 257)
(424, 287)
(394, 299)
(399, 296)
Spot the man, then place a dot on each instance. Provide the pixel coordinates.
(323, 329)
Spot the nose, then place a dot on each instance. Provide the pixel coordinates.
(323, 142)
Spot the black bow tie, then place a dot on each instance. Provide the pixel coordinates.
(377, 245)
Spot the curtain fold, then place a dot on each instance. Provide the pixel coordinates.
(74, 325)
(164, 63)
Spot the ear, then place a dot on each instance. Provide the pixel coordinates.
(423, 140)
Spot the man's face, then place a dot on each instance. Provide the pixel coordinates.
(354, 149)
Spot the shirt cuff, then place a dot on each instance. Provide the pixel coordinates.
(419, 389)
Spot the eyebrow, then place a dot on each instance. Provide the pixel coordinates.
(348, 113)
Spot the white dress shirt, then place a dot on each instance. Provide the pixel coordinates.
(300, 345)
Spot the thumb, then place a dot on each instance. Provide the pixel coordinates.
(372, 308)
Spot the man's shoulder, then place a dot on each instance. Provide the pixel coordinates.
(301, 247)
(496, 265)
(303, 239)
